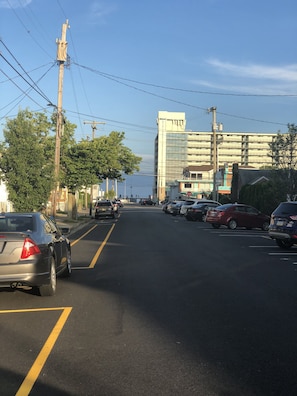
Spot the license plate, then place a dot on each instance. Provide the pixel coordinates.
(280, 223)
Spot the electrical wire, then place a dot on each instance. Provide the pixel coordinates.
(111, 76)
(176, 101)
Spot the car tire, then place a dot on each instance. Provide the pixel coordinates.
(232, 225)
(284, 244)
(67, 271)
(265, 226)
(50, 288)
(216, 225)
(203, 218)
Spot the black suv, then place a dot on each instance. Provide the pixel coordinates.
(104, 209)
(283, 224)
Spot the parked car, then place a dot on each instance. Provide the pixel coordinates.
(34, 251)
(190, 202)
(198, 211)
(237, 215)
(116, 206)
(171, 206)
(119, 203)
(164, 205)
(104, 208)
(283, 224)
(186, 204)
(176, 208)
(149, 202)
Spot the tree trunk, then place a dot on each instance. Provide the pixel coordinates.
(72, 206)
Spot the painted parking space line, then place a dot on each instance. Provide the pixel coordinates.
(263, 247)
(283, 254)
(101, 247)
(45, 351)
(82, 236)
(240, 235)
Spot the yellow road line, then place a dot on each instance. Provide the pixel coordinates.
(32, 310)
(86, 233)
(37, 366)
(95, 258)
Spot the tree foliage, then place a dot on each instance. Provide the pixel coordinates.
(283, 154)
(89, 162)
(264, 196)
(283, 149)
(26, 160)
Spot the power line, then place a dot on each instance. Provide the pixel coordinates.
(33, 85)
(111, 76)
(183, 103)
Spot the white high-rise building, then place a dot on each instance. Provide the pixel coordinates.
(176, 148)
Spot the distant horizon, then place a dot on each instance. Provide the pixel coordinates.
(134, 186)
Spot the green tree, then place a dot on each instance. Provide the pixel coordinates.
(264, 196)
(283, 154)
(26, 160)
(89, 162)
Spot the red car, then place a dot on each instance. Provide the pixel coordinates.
(237, 215)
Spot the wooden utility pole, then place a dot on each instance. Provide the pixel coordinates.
(93, 126)
(215, 128)
(61, 59)
(215, 155)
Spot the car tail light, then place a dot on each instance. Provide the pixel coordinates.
(29, 249)
(294, 218)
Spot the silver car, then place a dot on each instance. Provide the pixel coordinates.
(33, 252)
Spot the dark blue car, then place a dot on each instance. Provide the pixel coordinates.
(283, 224)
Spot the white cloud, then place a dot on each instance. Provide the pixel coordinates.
(100, 10)
(14, 3)
(252, 79)
(256, 89)
(277, 73)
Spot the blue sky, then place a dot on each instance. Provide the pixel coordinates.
(130, 59)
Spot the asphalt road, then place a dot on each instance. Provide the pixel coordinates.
(157, 305)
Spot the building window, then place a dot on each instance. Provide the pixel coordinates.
(188, 185)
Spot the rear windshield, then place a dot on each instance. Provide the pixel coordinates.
(224, 207)
(103, 204)
(286, 208)
(17, 223)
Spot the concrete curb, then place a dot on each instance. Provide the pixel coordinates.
(63, 221)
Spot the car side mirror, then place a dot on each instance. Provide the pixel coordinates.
(65, 231)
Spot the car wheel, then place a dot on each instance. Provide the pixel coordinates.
(50, 289)
(232, 224)
(203, 218)
(284, 244)
(216, 225)
(188, 218)
(67, 271)
(265, 226)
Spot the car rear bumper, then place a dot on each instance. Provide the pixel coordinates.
(97, 215)
(28, 274)
(279, 235)
(33, 280)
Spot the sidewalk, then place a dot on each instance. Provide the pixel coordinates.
(62, 220)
